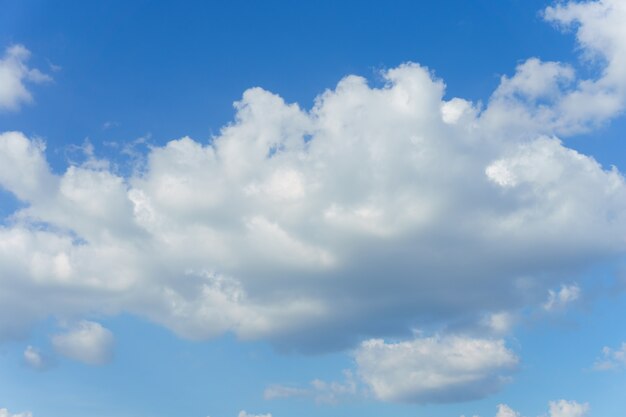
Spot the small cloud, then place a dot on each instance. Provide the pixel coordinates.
(14, 74)
(506, 411)
(54, 67)
(560, 408)
(612, 359)
(109, 125)
(33, 358)
(5, 413)
(499, 323)
(563, 408)
(245, 414)
(558, 300)
(439, 369)
(277, 391)
(322, 392)
(87, 342)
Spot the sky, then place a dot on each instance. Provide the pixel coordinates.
(311, 209)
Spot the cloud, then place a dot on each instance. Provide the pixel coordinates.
(5, 413)
(317, 229)
(438, 369)
(560, 408)
(35, 359)
(565, 296)
(611, 359)
(563, 408)
(86, 342)
(244, 414)
(435, 369)
(14, 73)
(506, 411)
(548, 96)
(322, 392)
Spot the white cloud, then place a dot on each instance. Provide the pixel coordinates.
(611, 359)
(277, 391)
(558, 300)
(5, 413)
(422, 370)
(435, 369)
(351, 220)
(35, 359)
(86, 342)
(14, 73)
(563, 408)
(244, 414)
(500, 322)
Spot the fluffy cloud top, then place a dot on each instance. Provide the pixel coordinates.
(321, 228)
(434, 369)
(563, 408)
(86, 342)
(560, 408)
(14, 74)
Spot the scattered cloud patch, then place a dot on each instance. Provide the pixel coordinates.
(86, 342)
(611, 359)
(322, 392)
(558, 300)
(14, 76)
(109, 125)
(245, 414)
(500, 322)
(35, 359)
(351, 219)
(506, 411)
(563, 408)
(435, 369)
(5, 413)
(560, 408)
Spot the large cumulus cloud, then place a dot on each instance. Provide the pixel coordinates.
(376, 211)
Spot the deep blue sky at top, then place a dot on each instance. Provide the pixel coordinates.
(171, 69)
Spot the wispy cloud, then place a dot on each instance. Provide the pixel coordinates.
(14, 75)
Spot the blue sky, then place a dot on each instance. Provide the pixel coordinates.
(277, 209)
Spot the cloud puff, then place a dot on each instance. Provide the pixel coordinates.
(547, 96)
(611, 359)
(563, 408)
(423, 370)
(322, 392)
(33, 358)
(5, 413)
(318, 229)
(560, 299)
(506, 411)
(14, 73)
(86, 342)
(244, 414)
(435, 369)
